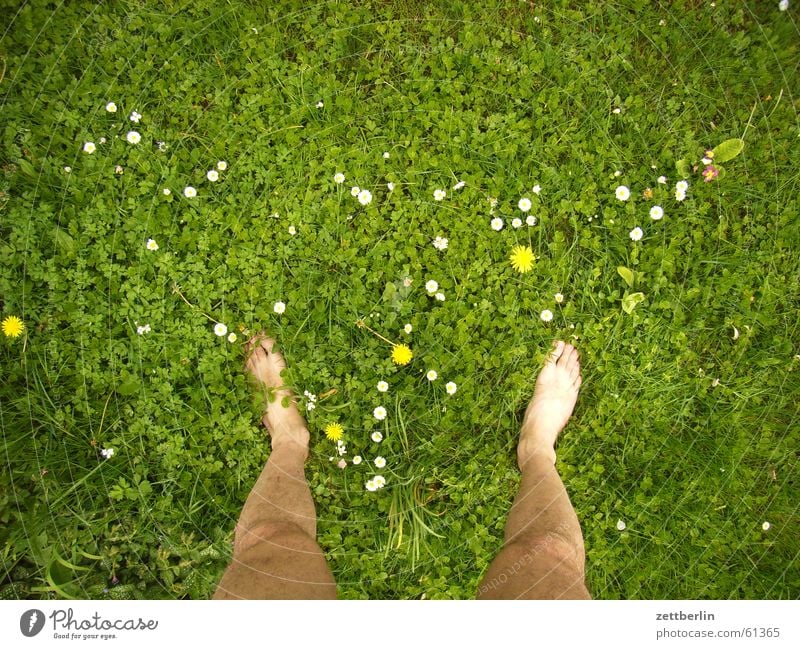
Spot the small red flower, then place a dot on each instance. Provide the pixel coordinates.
(709, 173)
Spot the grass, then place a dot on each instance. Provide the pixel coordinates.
(684, 432)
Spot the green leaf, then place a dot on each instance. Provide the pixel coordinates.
(728, 150)
(389, 291)
(64, 241)
(629, 302)
(626, 274)
(682, 166)
(128, 388)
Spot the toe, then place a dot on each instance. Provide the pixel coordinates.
(566, 356)
(255, 359)
(557, 351)
(268, 344)
(574, 371)
(577, 383)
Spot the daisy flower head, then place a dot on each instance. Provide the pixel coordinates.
(135, 117)
(162, 146)
(537, 190)
(546, 315)
(379, 413)
(379, 481)
(636, 234)
(338, 178)
(385, 155)
(656, 212)
(380, 461)
(376, 436)
(621, 525)
(623, 193)
(89, 147)
(13, 326)
(292, 230)
(279, 307)
(119, 170)
(107, 453)
(357, 459)
(432, 375)
(680, 195)
(152, 245)
(522, 258)
(706, 161)
(440, 296)
(440, 243)
(166, 191)
(383, 386)
(451, 388)
(333, 431)
(231, 337)
(681, 185)
(111, 107)
(133, 137)
(354, 190)
(516, 223)
(459, 185)
(67, 169)
(524, 204)
(783, 5)
(189, 192)
(497, 224)
(222, 165)
(765, 525)
(365, 197)
(370, 485)
(559, 298)
(662, 180)
(220, 329)
(408, 328)
(617, 173)
(431, 286)
(213, 175)
(390, 186)
(530, 219)
(439, 194)
(401, 354)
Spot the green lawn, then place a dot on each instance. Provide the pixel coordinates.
(687, 428)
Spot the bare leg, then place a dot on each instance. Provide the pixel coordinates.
(543, 555)
(275, 554)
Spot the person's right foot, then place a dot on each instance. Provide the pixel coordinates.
(552, 404)
(265, 364)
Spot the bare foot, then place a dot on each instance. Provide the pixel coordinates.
(552, 404)
(285, 425)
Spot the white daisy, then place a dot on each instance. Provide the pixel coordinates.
(380, 462)
(497, 224)
(379, 481)
(220, 329)
(623, 193)
(133, 137)
(706, 161)
(407, 328)
(536, 189)
(390, 186)
(166, 191)
(383, 386)
(119, 170)
(364, 197)
(320, 104)
(152, 245)
(213, 175)
(189, 192)
(681, 185)
(617, 173)
(222, 165)
(621, 525)
(431, 286)
(338, 178)
(376, 436)
(111, 107)
(231, 337)
(636, 234)
(432, 375)
(765, 525)
(516, 223)
(559, 298)
(89, 147)
(439, 194)
(459, 185)
(385, 155)
(530, 219)
(783, 5)
(67, 169)
(440, 243)
(356, 459)
(107, 453)
(162, 146)
(371, 486)
(662, 180)
(680, 195)
(656, 212)
(279, 307)
(292, 230)
(616, 111)
(135, 117)
(440, 297)
(354, 191)
(546, 315)
(380, 414)
(451, 388)
(524, 204)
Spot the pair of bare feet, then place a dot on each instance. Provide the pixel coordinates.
(549, 410)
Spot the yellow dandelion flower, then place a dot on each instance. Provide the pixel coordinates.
(13, 326)
(334, 431)
(401, 355)
(522, 258)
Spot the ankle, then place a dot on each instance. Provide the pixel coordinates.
(531, 454)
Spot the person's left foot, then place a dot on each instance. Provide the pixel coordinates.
(285, 424)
